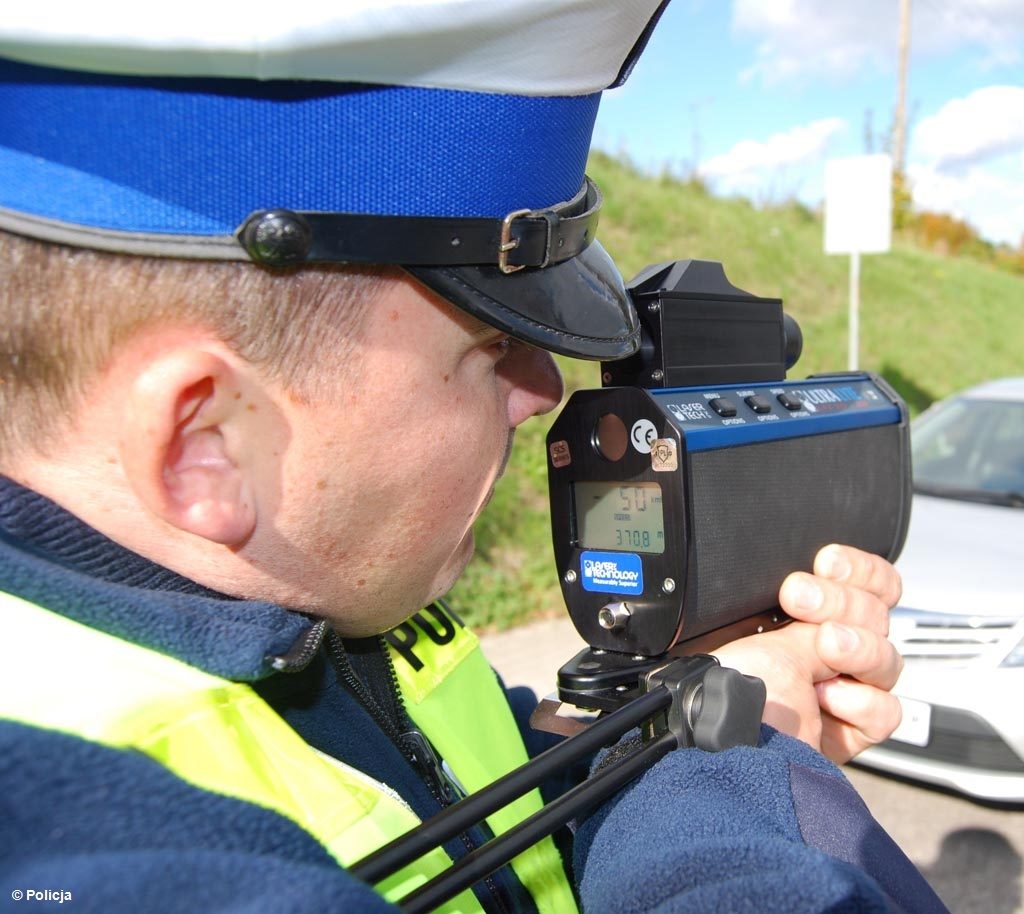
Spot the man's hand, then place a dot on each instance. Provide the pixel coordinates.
(829, 672)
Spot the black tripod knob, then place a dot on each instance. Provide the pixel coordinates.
(726, 710)
(712, 707)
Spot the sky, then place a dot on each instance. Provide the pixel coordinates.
(755, 95)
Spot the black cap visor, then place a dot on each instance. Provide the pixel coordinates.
(578, 308)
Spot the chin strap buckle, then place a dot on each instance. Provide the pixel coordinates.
(507, 242)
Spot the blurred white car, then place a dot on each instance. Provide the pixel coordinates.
(960, 623)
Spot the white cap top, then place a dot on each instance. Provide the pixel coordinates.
(522, 47)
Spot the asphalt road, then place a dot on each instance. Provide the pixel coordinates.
(971, 853)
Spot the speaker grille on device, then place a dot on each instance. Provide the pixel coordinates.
(759, 506)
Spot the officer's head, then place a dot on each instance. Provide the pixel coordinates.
(274, 296)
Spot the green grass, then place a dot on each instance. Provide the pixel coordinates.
(930, 324)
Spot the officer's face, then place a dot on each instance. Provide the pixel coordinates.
(384, 479)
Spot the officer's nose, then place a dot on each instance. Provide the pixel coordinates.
(536, 385)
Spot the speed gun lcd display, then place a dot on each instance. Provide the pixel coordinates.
(612, 515)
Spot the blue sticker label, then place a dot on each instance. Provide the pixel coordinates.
(612, 572)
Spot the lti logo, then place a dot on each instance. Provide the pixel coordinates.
(612, 572)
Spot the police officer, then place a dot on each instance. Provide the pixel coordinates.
(276, 293)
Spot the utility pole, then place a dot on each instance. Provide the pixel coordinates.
(899, 126)
(695, 138)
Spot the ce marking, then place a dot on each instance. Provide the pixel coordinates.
(643, 435)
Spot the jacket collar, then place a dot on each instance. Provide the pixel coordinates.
(51, 558)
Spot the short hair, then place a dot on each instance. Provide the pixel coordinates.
(64, 310)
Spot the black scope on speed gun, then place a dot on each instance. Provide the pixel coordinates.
(689, 486)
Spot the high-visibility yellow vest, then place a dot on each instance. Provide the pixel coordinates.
(222, 737)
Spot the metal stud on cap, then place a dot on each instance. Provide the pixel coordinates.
(277, 237)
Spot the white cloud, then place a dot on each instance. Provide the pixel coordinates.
(967, 159)
(764, 170)
(991, 202)
(806, 37)
(986, 124)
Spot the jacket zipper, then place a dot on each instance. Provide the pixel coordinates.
(411, 742)
(302, 652)
(393, 720)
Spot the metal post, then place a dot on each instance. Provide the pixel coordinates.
(899, 121)
(854, 311)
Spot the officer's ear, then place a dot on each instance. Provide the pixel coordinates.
(192, 414)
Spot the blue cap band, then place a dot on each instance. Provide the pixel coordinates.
(197, 156)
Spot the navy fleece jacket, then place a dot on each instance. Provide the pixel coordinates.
(775, 828)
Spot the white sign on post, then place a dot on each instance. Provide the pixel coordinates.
(858, 220)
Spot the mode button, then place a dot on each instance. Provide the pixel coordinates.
(723, 407)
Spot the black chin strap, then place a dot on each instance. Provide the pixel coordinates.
(524, 238)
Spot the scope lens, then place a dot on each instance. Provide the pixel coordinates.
(610, 437)
(794, 340)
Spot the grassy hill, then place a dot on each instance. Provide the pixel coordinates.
(930, 324)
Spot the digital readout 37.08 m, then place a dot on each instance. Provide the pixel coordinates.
(612, 515)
